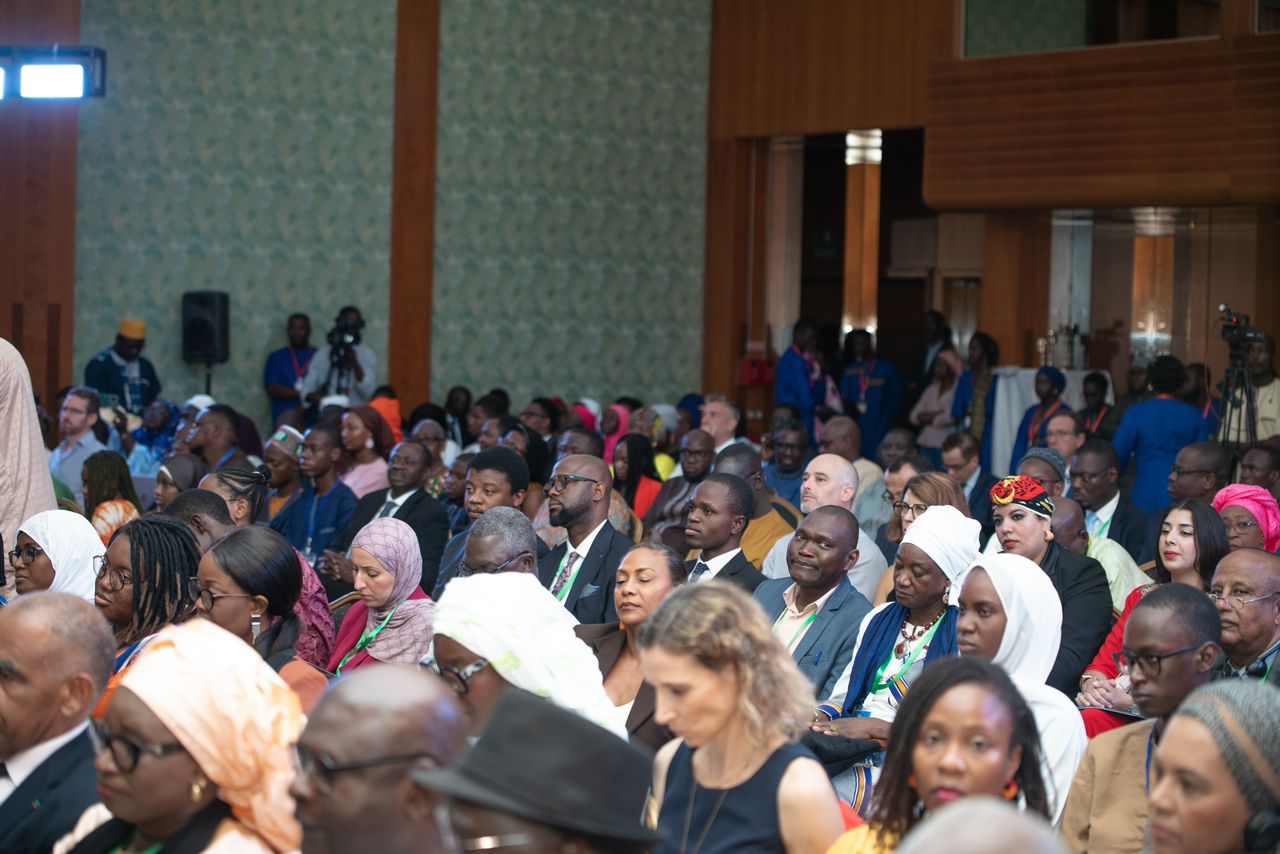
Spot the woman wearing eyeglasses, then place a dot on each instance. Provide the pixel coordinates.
(55, 550)
(143, 585)
(394, 620)
(248, 583)
(930, 489)
(647, 575)
(505, 630)
(1191, 543)
(1250, 515)
(195, 753)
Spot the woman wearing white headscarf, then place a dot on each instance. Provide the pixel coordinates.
(1010, 615)
(25, 481)
(897, 641)
(498, 630)
(56, 551)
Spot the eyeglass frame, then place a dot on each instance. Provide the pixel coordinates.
(1243, 526)
(901, 507)
(135, 749)
(324, 769)
(101, 569)
(465, 571)
(461, 676)
(1236, 603)
(1087, 477)
(454, 841)
(16, 552)
(1140, 660)
(199, 593)
(1178, 472)
(565, 480)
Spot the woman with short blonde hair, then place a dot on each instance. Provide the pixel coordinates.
(735, 778)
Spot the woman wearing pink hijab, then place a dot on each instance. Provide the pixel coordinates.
(1251, 516)
(615, 424)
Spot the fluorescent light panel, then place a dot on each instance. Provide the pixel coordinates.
(62, 80)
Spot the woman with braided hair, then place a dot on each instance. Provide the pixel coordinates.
(110, 501)
(246, 493)
(144, 584)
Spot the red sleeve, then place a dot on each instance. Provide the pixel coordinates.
(1105, 662)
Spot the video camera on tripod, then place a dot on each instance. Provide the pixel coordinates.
(1237, 332)
(342, 337)
(1239, 424)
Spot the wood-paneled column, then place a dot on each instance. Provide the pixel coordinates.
(861, 229)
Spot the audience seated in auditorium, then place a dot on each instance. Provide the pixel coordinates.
(830, 480)
(771, 518)
(551, 764)
(649, 572)
(719, 512)
(897, 642)
(1034, 427)
(495, 631)
(1153, 432)
(1009, 615)
(896, 477)
(315, 520)
(393, 620)
(1246, 589)
(1251, 517)
(666, 518)
(195, 748)
(1023, 514)
(1171, 643)
(579, 440)
(962, 461)
(1123, 574)
(815, 612)
(178, 474)
(952, 706)
(216, 438)
(729, 727)
(367, 440)
(395, 719)
(56, 550)
(76, 420)
(930, 489)
(280, 455)
(634, 474)
(1095, 480)
(1045, 466)
(896, 444)
(56, 652)
(432, 436)
(110, 500)
(581, 572)
(120, 375)
(1065, 434)
(841, 436)
(785, 471)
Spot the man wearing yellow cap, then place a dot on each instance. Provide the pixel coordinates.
(120, 375)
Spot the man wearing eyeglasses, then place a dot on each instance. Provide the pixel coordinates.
(1095, 480)
(1199, 471)
(1246, 589)
(354, 758)
(55, 658)
(76, 419)
(502, 540)
(1171, 642)
(581, 571)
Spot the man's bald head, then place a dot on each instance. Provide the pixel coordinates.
(377, 712)
(842, 436)
(56, 654)
(1068, 526)
(828, 479)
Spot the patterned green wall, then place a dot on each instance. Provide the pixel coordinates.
(245, 146)
(1002, 27)
(570, 197)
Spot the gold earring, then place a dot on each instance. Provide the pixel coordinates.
(1048, 536)
(197, 791)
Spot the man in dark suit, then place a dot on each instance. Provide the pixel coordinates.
(1096, 477)
(581, 571)
(816, 612)
(407, 501)
(719, 512)
(962, 458)
(56, 653)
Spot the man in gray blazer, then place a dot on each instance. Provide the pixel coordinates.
(816, 612)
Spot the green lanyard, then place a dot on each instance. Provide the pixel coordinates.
(366, 639)
(791, 644)
(879, 684)
(154, 849)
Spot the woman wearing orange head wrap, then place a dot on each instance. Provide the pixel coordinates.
(196, 753)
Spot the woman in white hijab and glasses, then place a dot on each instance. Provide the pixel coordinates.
(896, 642)
(1010, 615)
(56, 550)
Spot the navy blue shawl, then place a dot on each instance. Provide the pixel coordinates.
(878, 642)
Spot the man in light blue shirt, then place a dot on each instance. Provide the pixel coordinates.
(78, 415)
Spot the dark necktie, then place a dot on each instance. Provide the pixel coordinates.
(699, 569)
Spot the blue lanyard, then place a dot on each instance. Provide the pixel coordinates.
(317, 506)
(225, 457)
(1151, 740)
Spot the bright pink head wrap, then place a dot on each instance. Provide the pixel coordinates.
(624, 427)
(587, 416)
(1260, 503)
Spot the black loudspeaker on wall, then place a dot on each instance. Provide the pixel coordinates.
(205, 327)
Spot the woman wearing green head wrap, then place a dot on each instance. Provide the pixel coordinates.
(1215, 778)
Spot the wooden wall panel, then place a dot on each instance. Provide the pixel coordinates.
(1015, 283)
(784, 67)
(413, 197)
(38, 205)
(1184, 123)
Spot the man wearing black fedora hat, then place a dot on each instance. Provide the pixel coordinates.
(543, 779)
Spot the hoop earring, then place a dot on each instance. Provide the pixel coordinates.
(1010, 791)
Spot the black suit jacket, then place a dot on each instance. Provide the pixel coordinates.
(50, 801)
(607, 642)
(980, 505)
(1130, 528)
(427, 517)
(738, 570)
(590, 598)
(1081, 583)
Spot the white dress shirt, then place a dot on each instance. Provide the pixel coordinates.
(714, 564)
(22, 765)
